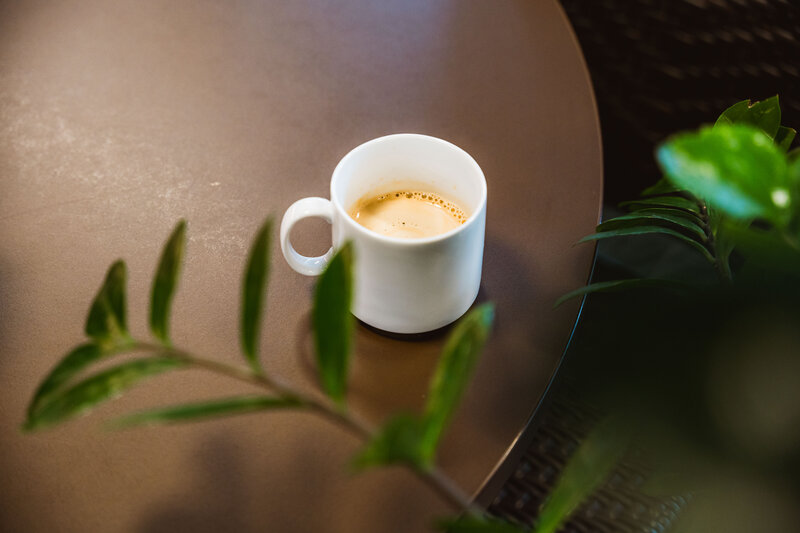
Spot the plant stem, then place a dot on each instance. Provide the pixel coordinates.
(448, 490)
(720, 263)
(433, 477)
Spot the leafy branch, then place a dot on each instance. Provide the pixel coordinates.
(725, 187)
(407, 439)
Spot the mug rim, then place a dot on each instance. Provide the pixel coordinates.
(403, 241)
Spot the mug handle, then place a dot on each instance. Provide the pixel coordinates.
(305, 208)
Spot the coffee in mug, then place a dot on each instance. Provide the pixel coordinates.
(408, 214)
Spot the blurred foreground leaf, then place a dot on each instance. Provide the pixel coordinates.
(784, 138)
(397, 442)
(765, 248)
(584, 472)
(333, 323)
(736, 169)
(165, 281)
(413, 441)
(453, 373)
(107, 321)
(206, 410)
(80, 398)
(76, 360)
(253, 288)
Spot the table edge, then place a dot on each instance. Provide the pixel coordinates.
(486, 492)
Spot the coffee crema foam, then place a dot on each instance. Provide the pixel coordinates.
(408, 214)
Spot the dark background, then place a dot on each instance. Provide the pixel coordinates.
(660, 66)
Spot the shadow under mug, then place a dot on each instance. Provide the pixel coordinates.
(402, 285)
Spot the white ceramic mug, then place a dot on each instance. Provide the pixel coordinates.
(402, 285)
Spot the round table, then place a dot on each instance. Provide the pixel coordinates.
(117, 119)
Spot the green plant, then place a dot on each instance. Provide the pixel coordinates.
(707, 374)
(407, 439)
(733, 185)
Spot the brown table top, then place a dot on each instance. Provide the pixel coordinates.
(117, 119)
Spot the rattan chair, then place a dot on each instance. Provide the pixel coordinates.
(659, 66)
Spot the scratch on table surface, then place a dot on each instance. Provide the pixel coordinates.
(227, 239)
(42, 144)
(54, 157)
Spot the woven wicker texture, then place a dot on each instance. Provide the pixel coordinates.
(619, 505)
(660, 66)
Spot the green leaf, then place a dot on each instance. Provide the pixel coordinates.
(412, 441)
(647, 230)
(678, 202)
(333, 323)
(479, 524)
(165, 282)
(734, 113)
(584, 472)
(645, 217)
(622, 284)
(107, 320)
(76, 360)
(399, 441)
(80, 398)
(784, 138)
(206, 410)
(662, 186)
(253, 288)
(765, 248)
(764, 115)
(453, 373)
(736, 169)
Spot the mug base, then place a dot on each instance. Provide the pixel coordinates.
(410, 337)
(424, 334)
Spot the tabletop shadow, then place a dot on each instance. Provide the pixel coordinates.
(232, 489)
(216, 501)
(4, 306)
